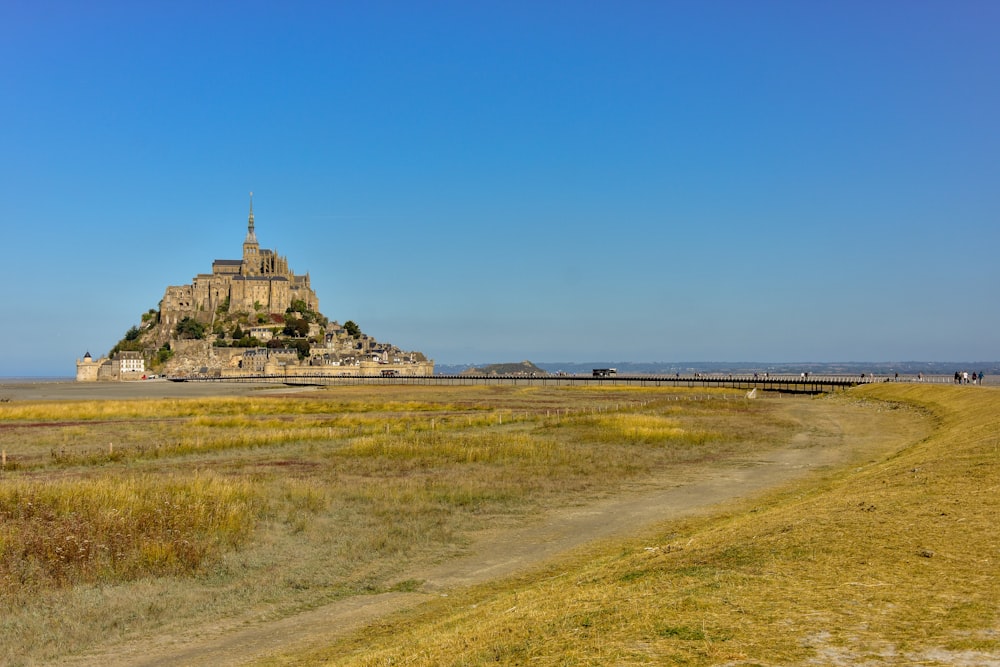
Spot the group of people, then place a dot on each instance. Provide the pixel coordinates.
(963, 377)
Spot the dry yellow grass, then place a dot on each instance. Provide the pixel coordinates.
(896, 561)
(73, 530)
(187, 512)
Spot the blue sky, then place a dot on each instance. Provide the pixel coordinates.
(498, 181)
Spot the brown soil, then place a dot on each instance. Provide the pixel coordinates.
(832, 434)
(140, 389)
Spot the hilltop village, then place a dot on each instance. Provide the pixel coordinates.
(248, 317)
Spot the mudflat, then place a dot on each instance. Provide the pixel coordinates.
(140, 389)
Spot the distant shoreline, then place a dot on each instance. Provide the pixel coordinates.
(21, 379)
(70, 389)
(669, 368)
(883, 368)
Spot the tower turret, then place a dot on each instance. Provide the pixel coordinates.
(251, 237)
(251, 249)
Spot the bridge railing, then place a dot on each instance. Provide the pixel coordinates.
(783, 383)
(770, 382)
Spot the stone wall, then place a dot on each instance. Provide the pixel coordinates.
(260, 277)
(293, 370)
(87, 369)
(195, 357)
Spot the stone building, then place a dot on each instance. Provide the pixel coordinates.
(251, 295)
(88, 368)
(126, 365)
(263, 359)
(260, 282)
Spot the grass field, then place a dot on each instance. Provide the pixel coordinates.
(123, 519)
(895, 561)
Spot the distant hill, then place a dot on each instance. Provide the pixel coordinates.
(516, 368)
(739, 367)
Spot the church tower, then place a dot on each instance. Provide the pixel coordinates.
(251, 249)
(260, 284)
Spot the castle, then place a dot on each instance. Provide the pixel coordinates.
(248, 317)
(121, 366)
(261, 281)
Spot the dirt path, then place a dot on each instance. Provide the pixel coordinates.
(832, 433)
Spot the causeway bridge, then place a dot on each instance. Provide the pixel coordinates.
(794, 384)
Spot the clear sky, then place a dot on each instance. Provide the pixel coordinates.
(496, 181)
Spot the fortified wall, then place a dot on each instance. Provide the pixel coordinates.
(200, 358)
(119, 367)
(250, 316)
(260, 281)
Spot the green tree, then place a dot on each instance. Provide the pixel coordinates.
(298, 306)
(132, 333)
(295, 327)
(302, 347)
(301, 308)
(352, 329)
(189, 328)
(238, 333)
(163, 354)
(246, 341)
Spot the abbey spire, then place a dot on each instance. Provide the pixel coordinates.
(251, 249)
(251, 237)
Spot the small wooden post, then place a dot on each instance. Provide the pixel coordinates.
(3, 458)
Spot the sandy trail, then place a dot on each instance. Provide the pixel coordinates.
(831, 433)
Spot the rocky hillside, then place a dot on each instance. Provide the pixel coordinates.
(523, 368)
(193, 347)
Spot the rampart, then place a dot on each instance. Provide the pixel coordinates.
(232, 313)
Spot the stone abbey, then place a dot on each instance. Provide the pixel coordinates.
(260, 282)
(249, 317)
